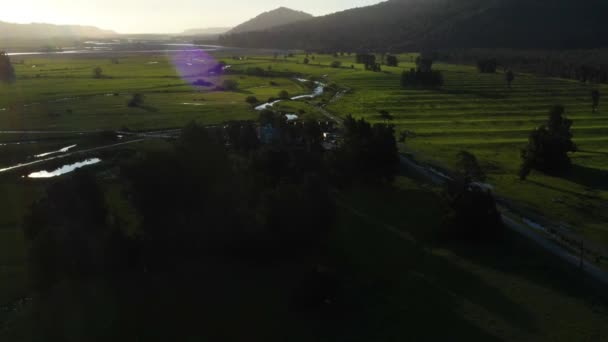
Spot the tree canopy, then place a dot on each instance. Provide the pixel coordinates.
(549, 145)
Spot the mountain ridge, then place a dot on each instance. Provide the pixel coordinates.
(270, 19)
(405, 25)
(44, 30)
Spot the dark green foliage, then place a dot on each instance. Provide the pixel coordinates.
(368, 153)
(242, 136)
(336, 64)
(252, 100)
(509, 77)
(583, 65)
(392, 61)
(473, 213)
(424, 63)
(283, 95)
(549, 145)
(137, 100)
(595, 97)
(487, 66)
(306, 60)
(385, 115)
(7, 72)
(230, 85)
(369, 61)
(98, 72)
(469, 168)
(69, 235)
(420, 79)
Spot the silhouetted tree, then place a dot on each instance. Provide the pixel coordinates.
(473, 214)
(549, 145)
(595, 97)
(510, 77)
(469, 168)
(137, 100)
(306, 60)
(242, 136)
(98, 72)
(7, 72)
(368, 60)
(69, 235)
(252, 100)
(284, 95)
(368, 153)
(392, 61)
(424, 63)
(487, 66)
(385, 115)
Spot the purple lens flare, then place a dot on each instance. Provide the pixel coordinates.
(197, 66)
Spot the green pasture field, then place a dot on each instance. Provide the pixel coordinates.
(62, 94)
(480, 114)
(474, 112)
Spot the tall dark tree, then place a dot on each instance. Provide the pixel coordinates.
(595, 97)
(424, 63)
(487, 66)
(549, 145)
(252, 100)
(509, 77)
(368, 153)
(7, 72)
(385, 115)
(98, 72)
(392, 60)
(68, 232)
(469, 168)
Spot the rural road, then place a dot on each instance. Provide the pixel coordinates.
(508, 218)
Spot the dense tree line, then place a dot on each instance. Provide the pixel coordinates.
(368, 61)
(7, 72)
(217, 192)
(368, 154)
(423, 76)
(392, 61)
(487, 66)
(583, 65)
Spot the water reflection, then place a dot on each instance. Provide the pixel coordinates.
(64, 169)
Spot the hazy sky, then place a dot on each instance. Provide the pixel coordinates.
(134, 16)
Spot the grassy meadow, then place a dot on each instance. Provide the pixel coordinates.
(393, 273)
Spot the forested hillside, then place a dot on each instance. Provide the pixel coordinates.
(428, 24)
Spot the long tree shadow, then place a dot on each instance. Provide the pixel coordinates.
(442, 283)
(483, 94)
(589, 177)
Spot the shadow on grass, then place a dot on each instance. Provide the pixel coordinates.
(399, 289)
(588, 177)
(569, 192)
(483, 94)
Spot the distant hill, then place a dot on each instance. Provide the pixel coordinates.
(43, 31)
(399, 25)
(206, 31)
(274, 18)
